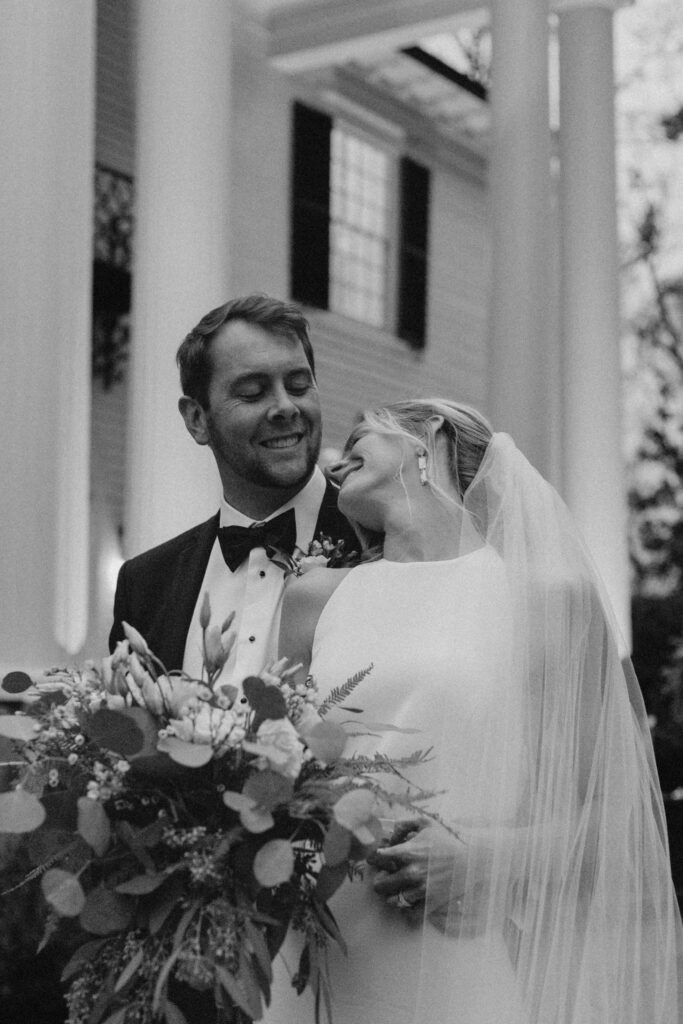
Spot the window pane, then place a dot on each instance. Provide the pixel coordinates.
(358, 230)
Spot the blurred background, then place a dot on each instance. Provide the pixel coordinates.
(483, 201)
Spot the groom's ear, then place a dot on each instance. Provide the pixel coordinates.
(194, 416)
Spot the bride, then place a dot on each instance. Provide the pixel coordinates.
(491, 644)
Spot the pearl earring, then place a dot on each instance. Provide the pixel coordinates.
(422, 465)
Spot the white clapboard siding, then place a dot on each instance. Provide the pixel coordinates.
(360, 367)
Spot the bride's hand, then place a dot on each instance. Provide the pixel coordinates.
(428, 867)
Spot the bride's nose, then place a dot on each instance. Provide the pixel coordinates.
(337, 471)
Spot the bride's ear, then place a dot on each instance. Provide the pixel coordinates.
(435, 424)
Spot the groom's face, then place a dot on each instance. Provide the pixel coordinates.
(263, 418)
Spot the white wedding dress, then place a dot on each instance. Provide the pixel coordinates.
(438, 636)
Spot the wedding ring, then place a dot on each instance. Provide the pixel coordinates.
(401, 902)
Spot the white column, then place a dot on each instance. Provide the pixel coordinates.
(591, 372)
(182, 245)
(520, 210)
(47, 59)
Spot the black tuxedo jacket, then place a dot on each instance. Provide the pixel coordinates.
(157, 591)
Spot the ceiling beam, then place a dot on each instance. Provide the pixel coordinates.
(310, 35)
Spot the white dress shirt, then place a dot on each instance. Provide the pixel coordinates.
(254, 591)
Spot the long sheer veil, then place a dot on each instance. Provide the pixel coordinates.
(567, 857)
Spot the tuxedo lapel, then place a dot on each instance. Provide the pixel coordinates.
(331, 523)
(170, 627)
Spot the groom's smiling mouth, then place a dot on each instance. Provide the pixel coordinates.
(284, 441)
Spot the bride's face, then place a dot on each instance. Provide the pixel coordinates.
(370, 476)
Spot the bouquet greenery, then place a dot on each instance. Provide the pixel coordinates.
(180, 826)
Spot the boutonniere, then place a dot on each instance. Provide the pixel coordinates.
(323, 552)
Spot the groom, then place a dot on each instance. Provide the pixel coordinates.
(250, 394)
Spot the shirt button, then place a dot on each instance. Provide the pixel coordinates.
(251, 639)
(262, 573)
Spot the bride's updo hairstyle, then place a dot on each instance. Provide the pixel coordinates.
(425, 421)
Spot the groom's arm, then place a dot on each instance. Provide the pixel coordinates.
(122, 611)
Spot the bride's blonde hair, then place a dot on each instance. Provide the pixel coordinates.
(425, 421)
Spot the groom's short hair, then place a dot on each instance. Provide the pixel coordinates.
(273, 315)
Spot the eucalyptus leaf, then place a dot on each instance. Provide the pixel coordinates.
(83, 955)
(106, 911)
(118, 1017)
(337, 845)
(61, 809)
(234, 989)
(249, 979)
(93, 824)
(19, 727)
(326, 741)
(173, 1014)
(192, 755)
(355, 810)
(327, 920)
(254, 818)
(274, 863)
(16, 682)
(147, 725)
(268, 789)
(266, 699)
(20, 812)
(8, 751)
(140, 885)
(304, 969)
(115, 730)
(162, 980)
(130, 969)
(258, 944)
(63, 892)
(164, 903)
(34, 778)
(329, 880)
(384, 727)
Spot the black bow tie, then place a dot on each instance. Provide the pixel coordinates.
(237, 541)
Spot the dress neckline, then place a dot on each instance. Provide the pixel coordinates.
(432, 562)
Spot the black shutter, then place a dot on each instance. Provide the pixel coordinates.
(310, 238)
(413, 253)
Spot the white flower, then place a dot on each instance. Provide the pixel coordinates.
(278, 747)
(115, 702)
(136, 640)
(209, 726)
(309, 562)
(306, 719)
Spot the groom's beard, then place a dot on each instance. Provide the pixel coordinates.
(275, 469)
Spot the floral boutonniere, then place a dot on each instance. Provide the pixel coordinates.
(323, 552)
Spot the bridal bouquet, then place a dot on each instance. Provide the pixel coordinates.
(178, 827)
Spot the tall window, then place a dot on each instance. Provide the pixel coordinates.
(358, 212)
(359, 228)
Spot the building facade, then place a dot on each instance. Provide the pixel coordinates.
(439, 238)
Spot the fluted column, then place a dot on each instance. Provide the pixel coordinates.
(591, 373)
(520, 215)
(47, 60)
(182, 245)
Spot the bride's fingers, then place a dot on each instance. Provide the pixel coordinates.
(405, 851)
(391, 883)
(407, 899)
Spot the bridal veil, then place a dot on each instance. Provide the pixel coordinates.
(567, 854)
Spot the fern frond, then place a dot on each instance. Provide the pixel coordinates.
(340, 693)
(359, 764)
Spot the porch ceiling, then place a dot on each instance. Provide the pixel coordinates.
(399, 48)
